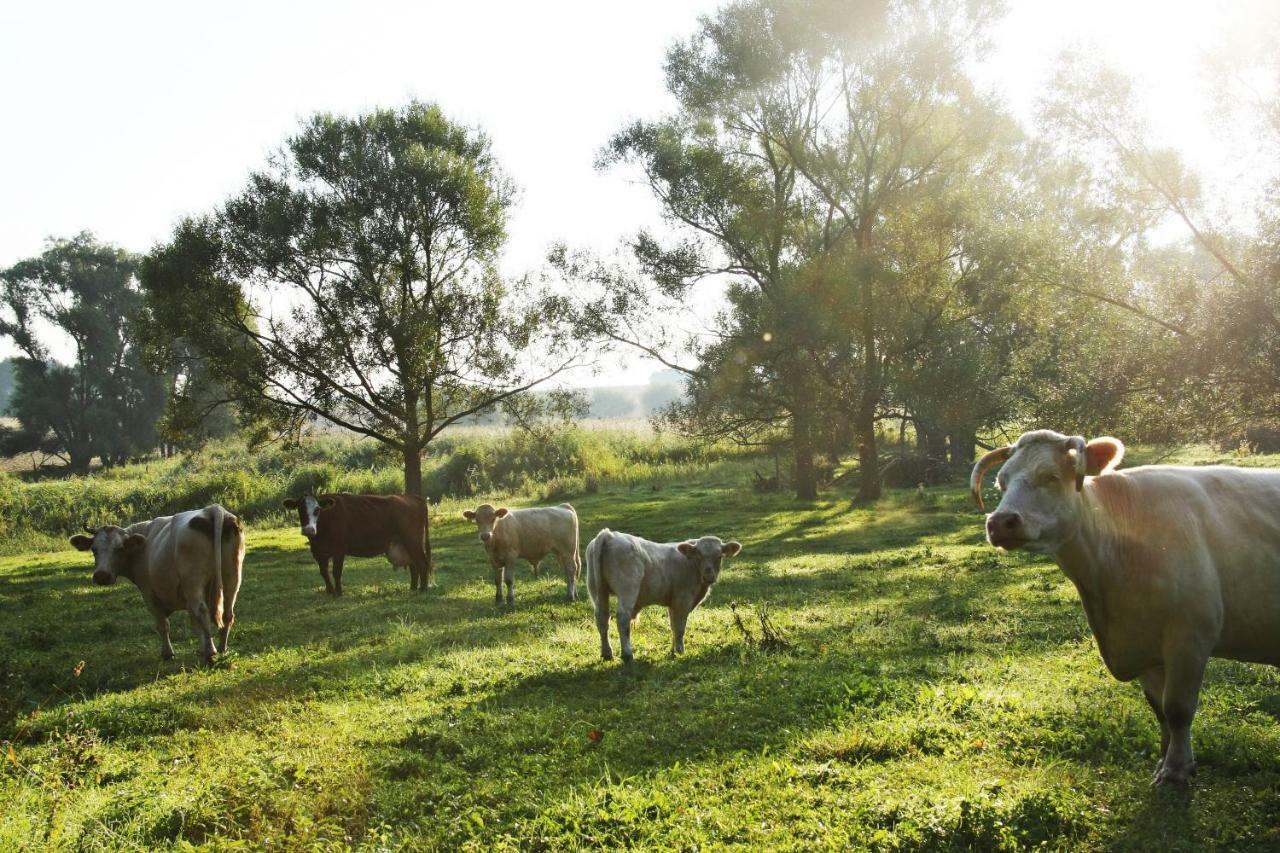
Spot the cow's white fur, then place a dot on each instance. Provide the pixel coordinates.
(1174, 565)
(678, 575)
(509, 535)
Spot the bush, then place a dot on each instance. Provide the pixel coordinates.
(551, 465)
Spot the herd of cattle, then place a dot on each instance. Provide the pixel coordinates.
(1174, 565)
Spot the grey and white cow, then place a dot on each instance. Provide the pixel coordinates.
(189, 561)
(677, 575)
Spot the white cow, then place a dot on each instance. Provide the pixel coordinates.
(189, 561)
(530, 534)
(678, 575)
(1174, 565)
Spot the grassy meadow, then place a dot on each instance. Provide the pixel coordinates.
(926, 693)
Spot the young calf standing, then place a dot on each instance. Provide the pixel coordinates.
(678, 575)
(531, 534)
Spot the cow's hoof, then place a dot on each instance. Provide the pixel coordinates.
(1174, 776)
(628, 658)
(606, 656)
(511, 601)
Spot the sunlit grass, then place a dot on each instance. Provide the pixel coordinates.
(936, 695)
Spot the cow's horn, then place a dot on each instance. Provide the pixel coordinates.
(995, 457)
(1077, 443)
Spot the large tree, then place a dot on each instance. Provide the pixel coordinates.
(355, 280)
(82, 296)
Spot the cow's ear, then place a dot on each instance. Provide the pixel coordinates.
(82, 542)
(325, 503)
(502, 512)
(134, 542)
(731, 549)
(469, 514)
(290, 503)
(1103, 455)
(689, 549)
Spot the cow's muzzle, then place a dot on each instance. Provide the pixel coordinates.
(485, 537)
(103, 578)
(1006, 530)
(309, 531)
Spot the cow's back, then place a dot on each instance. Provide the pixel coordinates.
(175, 554)
(537, 531)
(363, 525)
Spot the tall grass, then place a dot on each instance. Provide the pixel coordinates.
(467, 464)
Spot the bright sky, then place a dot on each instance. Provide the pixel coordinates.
(122, 117)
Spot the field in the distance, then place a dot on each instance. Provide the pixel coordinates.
(936, 695)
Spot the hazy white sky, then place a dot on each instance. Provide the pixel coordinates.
(121, 117)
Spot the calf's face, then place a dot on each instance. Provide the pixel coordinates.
(113, 550)
(707, 554)
(485, 517)
(1040, 486)
(308, 507)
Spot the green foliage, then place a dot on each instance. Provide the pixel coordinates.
(106, 402)
(381, 232)
(463, 464)
(934, 694)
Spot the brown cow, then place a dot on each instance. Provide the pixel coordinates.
(342, 525)
(190, 561)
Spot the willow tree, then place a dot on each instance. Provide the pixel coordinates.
(355, 280)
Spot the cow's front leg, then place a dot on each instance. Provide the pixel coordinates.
(324, 574)
(509, 578)
(497, 580)
(338, 560)
(1183, 675)
(1153, 689)
(679, 616)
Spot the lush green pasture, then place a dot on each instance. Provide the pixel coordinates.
(935, 695)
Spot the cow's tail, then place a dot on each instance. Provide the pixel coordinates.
(596, 584)
(219, 514)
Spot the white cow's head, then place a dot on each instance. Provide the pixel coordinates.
(308, 507)
(113, 551)
(486, 518)
(707, 553)
(1040, 487)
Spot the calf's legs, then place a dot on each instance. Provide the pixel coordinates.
(679, 617)
(504, 572)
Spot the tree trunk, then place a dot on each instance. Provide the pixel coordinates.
(802, 442)
(412, 470)
(936, 455)
(865, 419)
(868, 454)
(964, 446)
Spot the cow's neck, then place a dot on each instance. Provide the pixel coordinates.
(1088, 561)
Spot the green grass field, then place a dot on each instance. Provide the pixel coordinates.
(935, 694)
